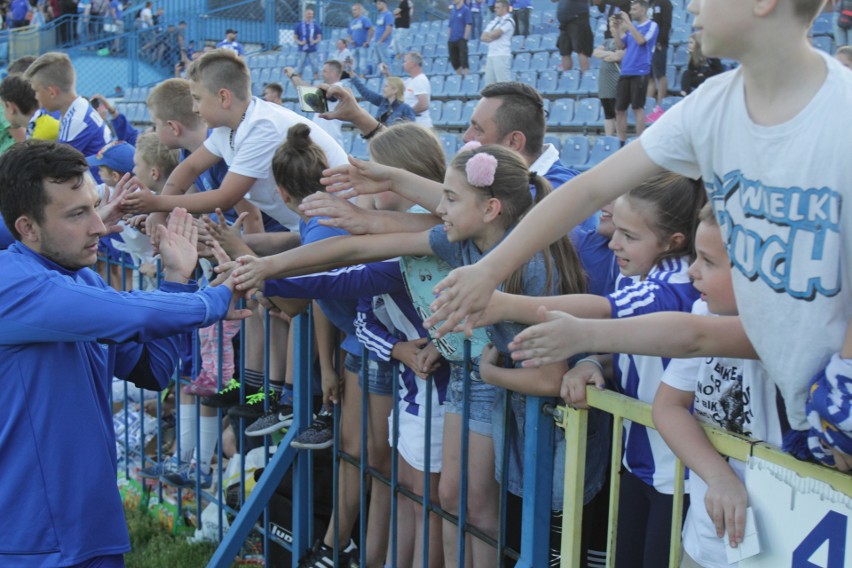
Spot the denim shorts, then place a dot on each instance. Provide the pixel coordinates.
(379, 374)
(482, 398)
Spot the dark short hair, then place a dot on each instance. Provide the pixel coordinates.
(522, 110)
(17, 90)
(275, 87)
(21, 64)
(23, 169)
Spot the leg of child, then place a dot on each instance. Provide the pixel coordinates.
(379, 458)
(188, 417)
(482, 492)
(413, 480)
(405, 526)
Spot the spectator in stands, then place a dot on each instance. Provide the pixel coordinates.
(460, 23)
(230, 42)
(608, 75)
(658, 86)
(521, 10)
(498, 35)
(22, 110)
(844, 56)
(638, 41)
(392, 108)
(842, 22)
(272, 93)
(611, 8)
(67, 32)
(146, 16)
(401, 25)
(117, 122)
(418, 89)
(308, 35)
(73, 323)
(699, 68)
(343, 54)
(54, 81)
(575, 33)
(360, 34)
(476, 7)
(19, 10)
(384, 32)
(332, 74)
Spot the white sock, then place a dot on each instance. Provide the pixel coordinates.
(209, 437)
(188, 415)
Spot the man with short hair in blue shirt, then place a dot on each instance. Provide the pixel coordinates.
(360, 34)
(637, 36)
(308, 34)
(460, 23)
(64, 335)
(230, 42)
(384, 32)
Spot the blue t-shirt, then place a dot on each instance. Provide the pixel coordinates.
(521, 4)
(19, 10)
(637, 58)
(358, 29)
(384, 20)
(460, 18)
(306, 31)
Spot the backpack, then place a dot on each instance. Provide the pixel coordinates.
(844, 19)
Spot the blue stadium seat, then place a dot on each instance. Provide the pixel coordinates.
(533, 42)
(548, 41)
(673, 75)
(265, 76)
(587, 113)
(441, 50)
(470, 86)
(428, 50)
(561, 112)
(669, 102)
(823, 25)
(416, 39)
(555, 60)
(450, 142)
(680, 55)
(375, 84)
(604, 147)
(436, 108)
(553, 140)
(517, 40)
(451, 115)
(359, 148)
(575, 152)
(680, 33)
(452, 86)
(431, 38)
(547, 83)
(588, 84)
(290, 93)
(527, 77)
(467, 111)
(348, 136)
(437, 82)
(540, 61)
(569, 81)
(823, 43)
(437, 25)
(521, 62)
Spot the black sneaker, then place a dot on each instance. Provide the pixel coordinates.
(322, 556)
(278, 418)
(228, 396)
(318, 436)
(253, 407)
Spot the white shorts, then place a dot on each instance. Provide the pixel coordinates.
(412, 439)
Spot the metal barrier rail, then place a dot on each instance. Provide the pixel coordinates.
(622, 407)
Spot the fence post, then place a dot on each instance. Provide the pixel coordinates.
(538, 485)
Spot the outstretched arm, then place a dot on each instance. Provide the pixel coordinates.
(665, 334)
(465, 292)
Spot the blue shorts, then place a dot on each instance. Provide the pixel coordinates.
(482, 398)
(379, 374)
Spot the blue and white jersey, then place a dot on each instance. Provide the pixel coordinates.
(84, 129)
(385, 320)
(232, 45)
(666, 289)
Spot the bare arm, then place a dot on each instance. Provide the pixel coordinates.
(422, 103)
(525, 309)
(326, 335)
(266, 244)
(466, 291)
(534, 382)
(560, 336)
(726, 499)
(356, 220)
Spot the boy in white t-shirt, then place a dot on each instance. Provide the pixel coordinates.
(246, 133)
(773, 155)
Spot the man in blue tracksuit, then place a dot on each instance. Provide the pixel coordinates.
(64, 334)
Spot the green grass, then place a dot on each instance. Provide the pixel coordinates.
(153, 547)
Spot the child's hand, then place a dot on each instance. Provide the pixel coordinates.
(111, 207)
(726, 501)
(230, 237)
(330, 382)
(360, 178)
(140, 201)
(340, 212)
(557, 338)
(488, 361)
(428, 360)
(574, 382)
(250, 274)
(406, 353)
(462, 295)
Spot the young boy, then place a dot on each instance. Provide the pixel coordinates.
(54, 81)
(22, 111)
(637, 36)
(775, 181)
(246, 132)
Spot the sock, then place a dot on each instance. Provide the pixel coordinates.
(253, 379)
(276, 388)
(188, 416)
(209, 427)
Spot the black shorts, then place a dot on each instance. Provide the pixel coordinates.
(458, 53)
(659, 61)
(631, 91)
(576, 35)
(608, 106)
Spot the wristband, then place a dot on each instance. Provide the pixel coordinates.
(372, 132)
(593, 361)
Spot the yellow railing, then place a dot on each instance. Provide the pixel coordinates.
(574, 422)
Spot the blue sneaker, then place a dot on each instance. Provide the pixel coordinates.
(185, 477)
(158, 470)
